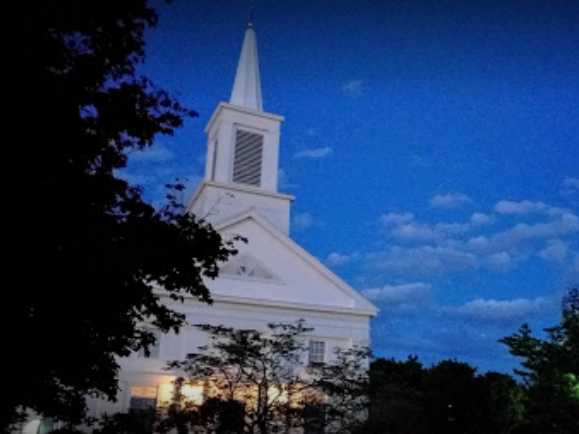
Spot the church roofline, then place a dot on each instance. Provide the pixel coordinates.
(367, 305)
(295, 306)
(236, 187)
(225, 105)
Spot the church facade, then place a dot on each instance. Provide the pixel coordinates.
(271, 279)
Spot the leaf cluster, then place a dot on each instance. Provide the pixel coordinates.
(103, 258)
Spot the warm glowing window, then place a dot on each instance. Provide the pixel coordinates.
(192, 393)
(143, 398)
(317, 352)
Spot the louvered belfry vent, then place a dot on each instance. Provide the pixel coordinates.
(247, 159)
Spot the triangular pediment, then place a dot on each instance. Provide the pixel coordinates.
(272, 268)
(246, 266)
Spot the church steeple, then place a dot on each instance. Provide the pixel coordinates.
(246, 90)
(241, 168)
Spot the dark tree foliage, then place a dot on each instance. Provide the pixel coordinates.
(250, 366)
(133, 422)
(264, 384)
(450, 397)
(213, 416)
(550, 372)
(88, 281)
(406, 397)
(397, 396)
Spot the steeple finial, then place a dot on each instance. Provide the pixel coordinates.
(247, 85)
(250, 16)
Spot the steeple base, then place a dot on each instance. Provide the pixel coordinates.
(217, 202)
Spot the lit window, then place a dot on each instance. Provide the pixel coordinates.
(192, 393)
(317, 352)
(143, 398)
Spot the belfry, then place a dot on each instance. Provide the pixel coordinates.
(241, 170)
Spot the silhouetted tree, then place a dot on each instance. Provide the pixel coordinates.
(267, 372)
(550, 372)
(96, 251)
(397, 397)
(344, 383)
(501, 407)
(407, 398)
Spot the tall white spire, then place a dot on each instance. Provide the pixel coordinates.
(247, 86)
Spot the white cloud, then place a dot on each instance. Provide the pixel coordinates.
(522, 207)
(480, 219)
(556, 250)
(500, 261)
(452, 228)
(568, 223)
(449, 200)
(396, 295)
(510, 239)
(353, 87)
(135, 179)
(510, 207)
(571, 183)
(395, 219)
(284, 182)
(314, 153)
(336, 259)
(154, 154)
(491, 310)
(415, 232)
(422, 260)
(303, 221)
(404, 227)
(444, 247)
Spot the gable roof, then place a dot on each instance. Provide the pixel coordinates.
(362, 303)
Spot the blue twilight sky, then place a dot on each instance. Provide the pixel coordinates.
(432, 146)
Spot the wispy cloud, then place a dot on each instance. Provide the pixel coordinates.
(422, 260)
(510, 239)
(454, 247)
(500, 261)
(304, 220)
(354, 87)
(450, 200)
(396, 295)
(571, 183)
(499, 311)
(284, 182)
(556, 251)
(314, 153)
(396, 219)
(480, 219)
(135, 179)
(509, 207)
(404, 227)
(154, 154)
(336, 259)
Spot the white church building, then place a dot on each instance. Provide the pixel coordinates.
(271, 279)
